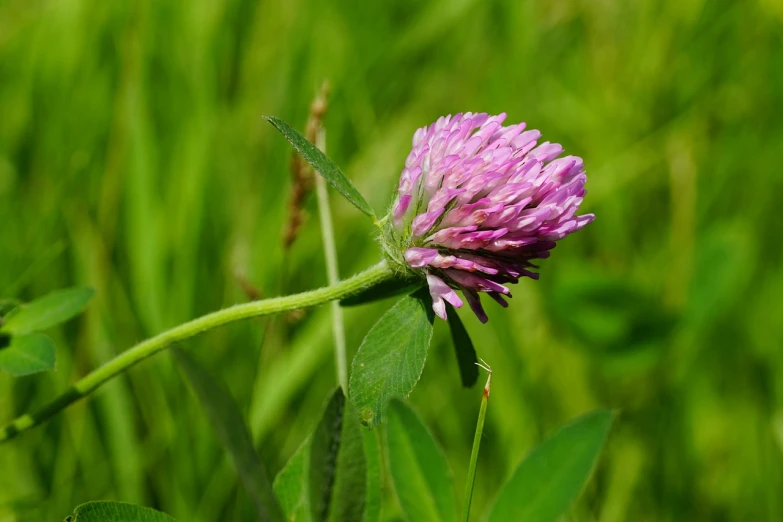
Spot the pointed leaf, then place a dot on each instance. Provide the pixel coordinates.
(291, 485)
(463, 347)
(552, 475)
(338, 471)
(391, 358)
(116, 512)
(47, 311)
(383, 290)
(320, 162)
(231, 430)
(26, 354)
(421, 475)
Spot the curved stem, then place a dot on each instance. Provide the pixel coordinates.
(128, 358)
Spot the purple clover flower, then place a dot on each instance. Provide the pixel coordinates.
(479, 202)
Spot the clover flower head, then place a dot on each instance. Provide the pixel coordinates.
(478, 203)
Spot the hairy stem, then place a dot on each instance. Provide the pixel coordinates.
(130, 357)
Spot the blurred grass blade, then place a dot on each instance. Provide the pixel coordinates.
(7, 305)
(552, 475)
(421, 475)
(26, 354)
(372, 453)
(233, 434)
(338, 476)
(47, 311)
(291, 485)
(463, 347)
(320, 162)
(391, 358)
(116, 512)
(383, 290)
(34, 269)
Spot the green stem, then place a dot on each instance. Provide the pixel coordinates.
(332, 271)
(128, 358)
(474, 453)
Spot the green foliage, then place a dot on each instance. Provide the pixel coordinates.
(338, 470)
(552, 475)
(291, 485)
(6, 305)
(372, 455)
(335, 473)
(47, 311)
(130, 136)
(26, 354)
(320, 162)
(616, 318)
(463, 347)
(22, 351)
(391, 358)
(116, 512)
(229, 425)
(421, 475)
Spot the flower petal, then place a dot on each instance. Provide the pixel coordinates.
(441, 292)
(475, 304)
(420, 257)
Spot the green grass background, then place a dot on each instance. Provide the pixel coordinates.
(133, 159)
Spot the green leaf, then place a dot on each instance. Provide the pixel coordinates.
(47, 311)
(552, 475)
(383, 290)
(463, 346)
(391, 358)
(26, 354)
(231, 430)
(372, 453)
(291, 485)
(320, 162)
(338, 469)
(116, 512)
(421, 475)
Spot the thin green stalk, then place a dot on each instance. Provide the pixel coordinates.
(128, 358)
(475, 452)
(332, 271)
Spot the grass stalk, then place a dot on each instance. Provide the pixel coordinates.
(476, 445)
(332, 269)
